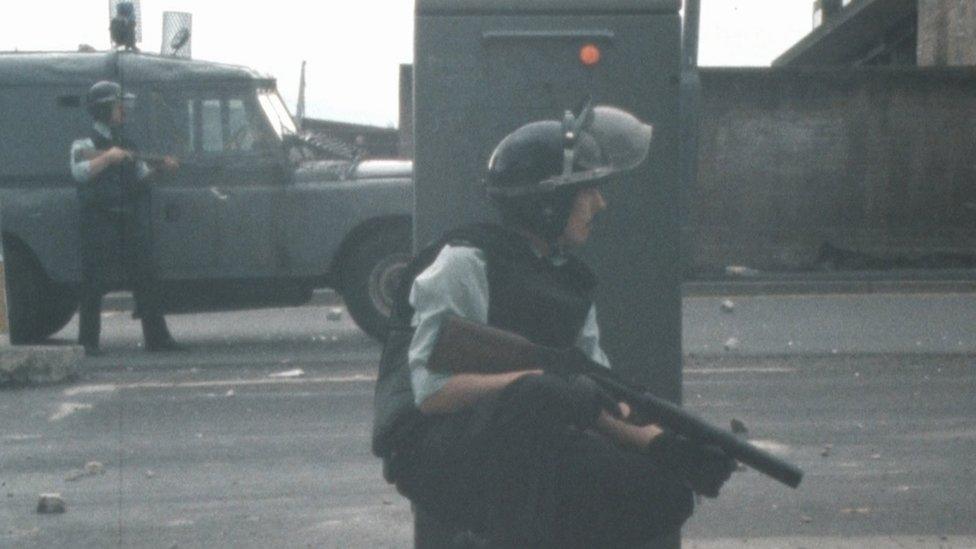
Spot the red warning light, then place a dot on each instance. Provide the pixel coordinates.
(589, 55)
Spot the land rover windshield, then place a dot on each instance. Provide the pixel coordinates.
(274, 108)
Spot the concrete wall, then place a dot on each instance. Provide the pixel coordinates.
(874, 161)
(946, 32)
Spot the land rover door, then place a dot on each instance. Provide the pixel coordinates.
(215, 218)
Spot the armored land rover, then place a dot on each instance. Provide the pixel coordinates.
(247, 221)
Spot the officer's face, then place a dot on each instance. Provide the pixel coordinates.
(118, 115)
(588, 203)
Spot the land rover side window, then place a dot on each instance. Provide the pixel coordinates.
(172, 123)
(240, 136)
(211, 121)
(227, 124)
(246, 130)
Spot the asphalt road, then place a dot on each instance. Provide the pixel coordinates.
(810, 324)
(258, 435)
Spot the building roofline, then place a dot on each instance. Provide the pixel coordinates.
(320, 123)
(856, 27)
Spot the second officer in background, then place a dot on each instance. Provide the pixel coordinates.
(114, 220)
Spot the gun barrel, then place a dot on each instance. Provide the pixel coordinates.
(679, 420)
(467, 346)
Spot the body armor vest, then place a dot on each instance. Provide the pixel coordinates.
(526, 294)
(115, 187)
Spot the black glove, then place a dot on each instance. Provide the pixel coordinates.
(704, 467)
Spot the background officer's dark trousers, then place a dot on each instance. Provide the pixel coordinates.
(116, 247)
(154, 329)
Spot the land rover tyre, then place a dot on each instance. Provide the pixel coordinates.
(36, 308)
(60, 308)
(370, 274)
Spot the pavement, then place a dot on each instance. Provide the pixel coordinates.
(258, 435)
(37, 364)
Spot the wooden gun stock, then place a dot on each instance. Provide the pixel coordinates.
(468, 347)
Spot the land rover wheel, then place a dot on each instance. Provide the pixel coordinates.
(60, 307)
(36, 308)
(370, 276)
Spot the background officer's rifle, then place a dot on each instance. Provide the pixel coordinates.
(151, 159)
(469, 347)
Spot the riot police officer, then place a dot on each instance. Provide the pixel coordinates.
(528, 458)
(114, 217)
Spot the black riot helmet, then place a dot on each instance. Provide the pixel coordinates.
(103, 96)
(535, 171)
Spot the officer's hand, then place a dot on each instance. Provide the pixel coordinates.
(592, 398)
(577, 401)
(117, 155)
(703, 466)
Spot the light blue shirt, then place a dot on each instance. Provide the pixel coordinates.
(82, 149)
(456, 283)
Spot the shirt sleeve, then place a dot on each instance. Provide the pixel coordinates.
(456, 283)
(81, 150)
(589, 339)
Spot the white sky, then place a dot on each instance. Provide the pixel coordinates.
(353, 47)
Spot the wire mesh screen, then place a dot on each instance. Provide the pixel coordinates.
(136, 10)
(177, 34)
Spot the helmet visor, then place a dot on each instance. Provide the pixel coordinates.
(601, 141)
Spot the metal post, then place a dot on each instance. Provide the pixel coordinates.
(689, 35)
(689, 115)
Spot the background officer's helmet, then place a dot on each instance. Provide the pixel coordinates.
(103, 96)
(535, 171)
